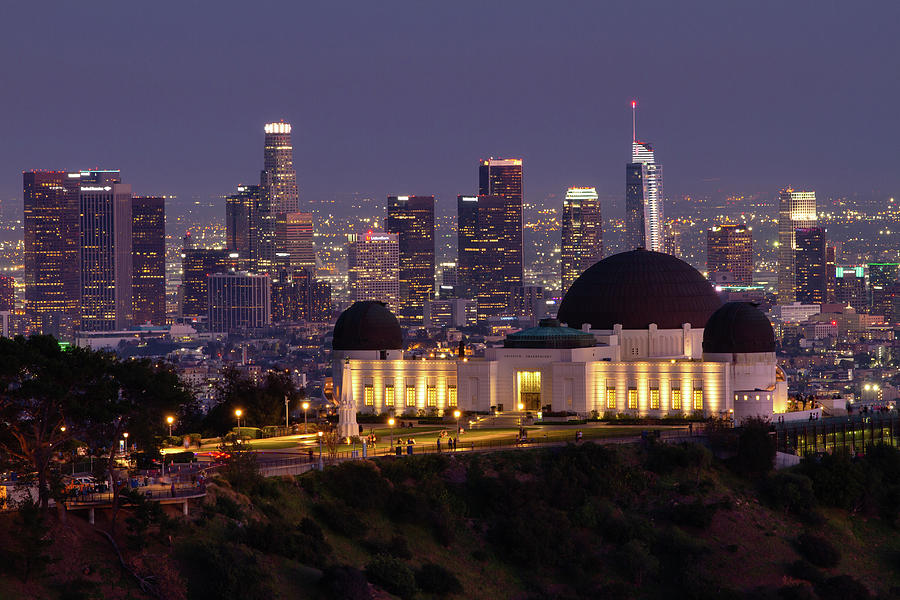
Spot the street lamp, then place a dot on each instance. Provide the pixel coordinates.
(305, 408)
(391, 422)
(170, 419)
(238, 412)
(125, 435)
(320, 449)
(286, 418)
(457, 414)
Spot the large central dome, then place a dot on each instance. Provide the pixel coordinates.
(638, 288)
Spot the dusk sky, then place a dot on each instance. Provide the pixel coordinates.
(405, 97)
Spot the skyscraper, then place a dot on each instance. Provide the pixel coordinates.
(850, 288)
(148, 258)
(7, 293)
(830, 270)
(294, 231)
(302, 298)
(278, 181)
(881, 277)
(373, 261)
(238, 301)
(502, 178)
(242, 225)
(795, 209)
(644, 221)
(105, 251)
(197, 264)
(582, 233)
(729, 249)
(809, 265)
(412, 219)
(278, 178)
(51, 223)
(487, 269)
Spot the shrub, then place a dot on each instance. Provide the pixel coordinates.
(636, 562)
(842, 587)
(695, 514)
(803, 569)
(437, 580)
(666, 458)
(818, 550)
(344, 582)
(217, 570)
(798, 591)
(358, 483)
(229, 507)
(278, 537)
(756, 449)
(80, 589)
(836, 481)
(790, 492)
(392, 574)
(397, 547)
(341, 518)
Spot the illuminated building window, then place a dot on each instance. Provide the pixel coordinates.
(698, 399)
(451, 396)
(676, 399)
(654, 399)
(632, 398)
(410, 395)
(389, 395)
(431, 395)
(369, 395)
(611, 398)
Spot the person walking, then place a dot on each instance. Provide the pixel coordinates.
(439, 445)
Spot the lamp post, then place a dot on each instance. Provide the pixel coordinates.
(457, 414)
(125, 436)
(391, 422)
(170, 419)
(320, 450)
(305, 422)
(286, 420)
(238, 412)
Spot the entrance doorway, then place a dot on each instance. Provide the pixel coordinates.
(529, 385)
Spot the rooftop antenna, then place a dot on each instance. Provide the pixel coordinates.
(633, 129)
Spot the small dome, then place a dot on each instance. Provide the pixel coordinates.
(550, 334)
(638, 288)
(738, 327)
(367, 325)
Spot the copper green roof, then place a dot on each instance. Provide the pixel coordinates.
(549, 334)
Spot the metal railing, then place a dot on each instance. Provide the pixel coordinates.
(152, 492)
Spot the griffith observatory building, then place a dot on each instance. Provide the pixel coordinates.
(639, 333)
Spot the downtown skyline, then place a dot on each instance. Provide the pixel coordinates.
(562, 105)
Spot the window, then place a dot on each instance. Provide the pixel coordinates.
(431, 395)
(451, 396)
(632, 398)
(676, 399)
(611, 398)
(369, 395)
(389, 395)
(654, 399)
(410, 395)
(698, 399)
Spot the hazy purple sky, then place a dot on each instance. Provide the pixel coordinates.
(404, 97)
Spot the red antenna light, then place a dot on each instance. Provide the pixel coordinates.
(633, 129)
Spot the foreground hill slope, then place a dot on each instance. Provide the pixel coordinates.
(589, 521)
